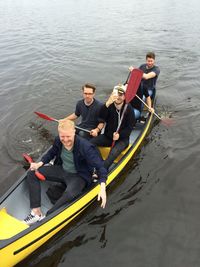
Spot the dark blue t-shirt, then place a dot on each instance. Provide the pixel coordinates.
(150, 83)
(89, 114)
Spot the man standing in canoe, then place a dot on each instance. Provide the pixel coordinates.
(75, 159)
(88, 108)
(111, 114)
(150, 73)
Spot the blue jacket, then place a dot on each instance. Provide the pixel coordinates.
(86, 158)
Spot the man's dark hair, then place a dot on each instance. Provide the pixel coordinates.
(150, 55)
(89, 85)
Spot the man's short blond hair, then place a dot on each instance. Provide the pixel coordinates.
(66, 125)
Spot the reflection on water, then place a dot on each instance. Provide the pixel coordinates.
(103, 239)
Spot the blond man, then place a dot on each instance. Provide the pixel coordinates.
(75, 159)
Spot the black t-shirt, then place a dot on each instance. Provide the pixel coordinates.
(89, 114)
(150, 83)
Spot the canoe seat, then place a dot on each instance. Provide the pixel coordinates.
(9, 225)
(106, 150)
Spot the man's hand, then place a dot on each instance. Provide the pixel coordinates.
(102, 195)
(151, 110)
(111, 99)
(35, 165)
(115, 136)
(131, 68)
(94, 132)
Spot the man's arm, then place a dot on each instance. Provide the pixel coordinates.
(94, 132)
(149, 75)
(146, 76)
(148, 101)
(36, 165)
(102, 195)
(76, 113)
(111, 99)
(72, 117)
(105, 108)
(149, 104)
(52, 152)
(97, 130)
(95, 161)
(153, 73)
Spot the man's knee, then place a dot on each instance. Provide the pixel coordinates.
(74, 189)
(30, 175)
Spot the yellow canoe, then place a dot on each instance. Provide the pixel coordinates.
(17, 240)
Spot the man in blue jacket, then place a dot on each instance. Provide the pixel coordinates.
(75, 159)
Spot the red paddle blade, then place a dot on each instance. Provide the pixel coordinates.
(37, 173)
(167, 121)
(27, 158)
(40, 176)
(133, 84)
(44, 116)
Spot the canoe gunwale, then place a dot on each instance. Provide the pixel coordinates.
(123, 161)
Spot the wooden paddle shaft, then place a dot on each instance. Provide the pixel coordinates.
(148, 107)
(77, 127)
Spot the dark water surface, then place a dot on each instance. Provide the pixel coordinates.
(48, 49)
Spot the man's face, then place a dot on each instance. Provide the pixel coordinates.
(120, 99)
(88, 95)
(67, 137)
(150, 62)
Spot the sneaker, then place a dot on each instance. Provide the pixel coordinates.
(142, 119)
(33, 218)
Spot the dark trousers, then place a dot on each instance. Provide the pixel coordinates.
(119, 146)
(74, 185)
(85, 135)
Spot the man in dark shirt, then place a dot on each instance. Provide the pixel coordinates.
(88, 109)
(110, 114)
(150, 73)
(148, 84)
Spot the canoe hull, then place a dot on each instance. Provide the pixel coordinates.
(15, 249)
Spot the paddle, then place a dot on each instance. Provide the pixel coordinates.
(37, 173)
(132, 87)
(166, 121)
(148, 107)
(48, 118)
(133, 84)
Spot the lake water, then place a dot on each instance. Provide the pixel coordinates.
(48, 50)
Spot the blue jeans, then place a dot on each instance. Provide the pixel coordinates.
(137, 113)
(150, 91)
